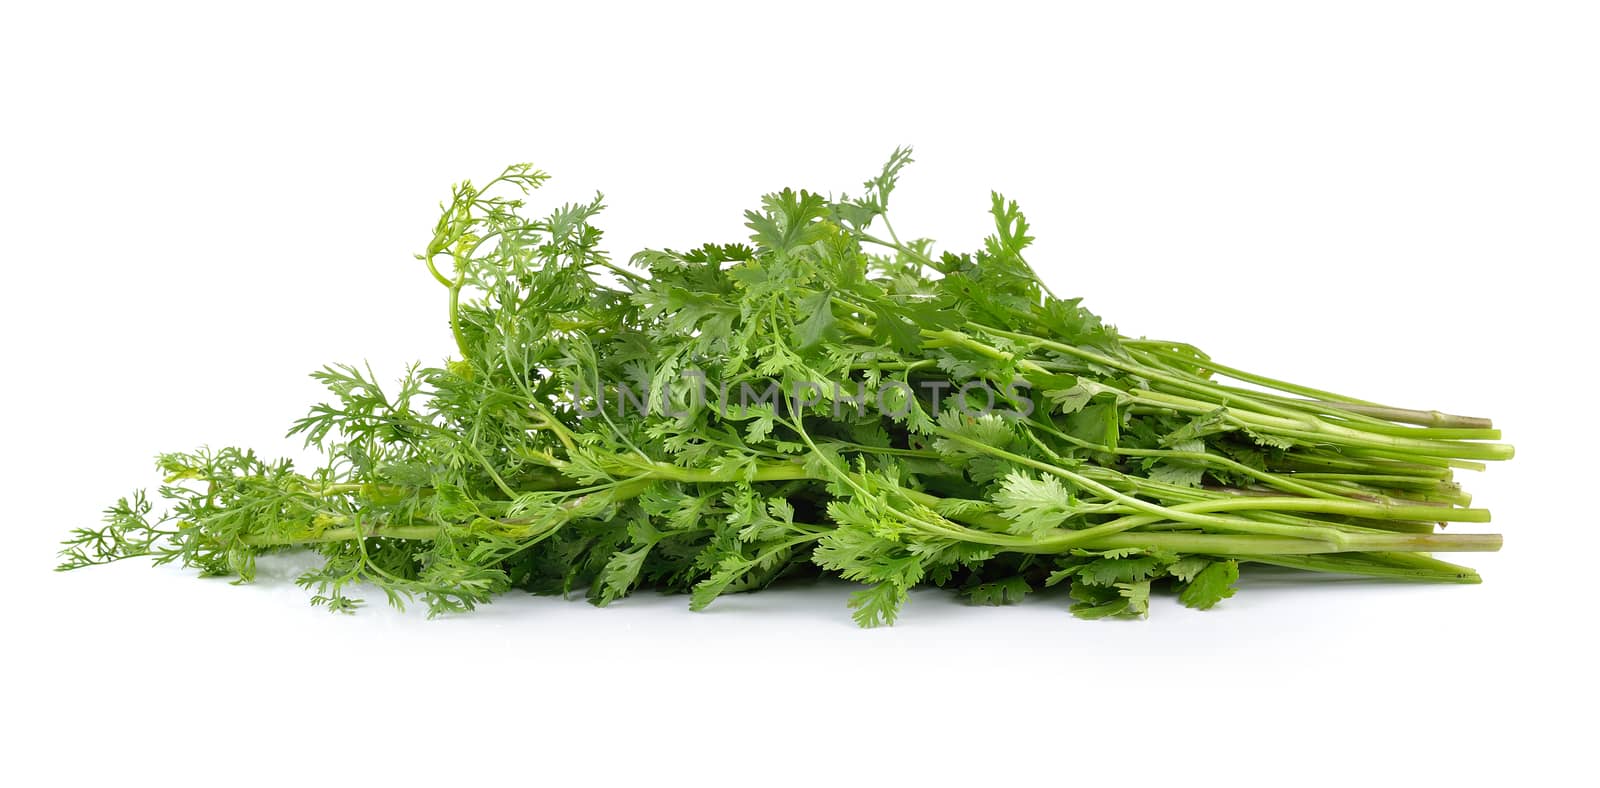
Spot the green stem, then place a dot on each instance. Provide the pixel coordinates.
(1338, 563)
(455, 314)
(1159, 348)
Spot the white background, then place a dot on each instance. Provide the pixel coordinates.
(203, 205)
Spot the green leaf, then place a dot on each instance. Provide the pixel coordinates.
(1184, 569)
(1034, 506)
(1178, 472)
(1211, 585)
(729, 570)
(1100, 424)
(1138, 595)
(878, 605)
(1073, 399)
(620, 574)
(1001, 592)
(789, 221)
(876, 200)
(1110, 571)
(1095, 602)
(1011, 228)
(818, 324)
(893, 330)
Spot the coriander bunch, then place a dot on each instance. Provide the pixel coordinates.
(1109, 465)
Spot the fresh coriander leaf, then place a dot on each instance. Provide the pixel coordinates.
(1211, 585)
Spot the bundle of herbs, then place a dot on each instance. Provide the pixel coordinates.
(825, 399)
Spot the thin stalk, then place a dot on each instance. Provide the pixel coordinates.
(1339, 563)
